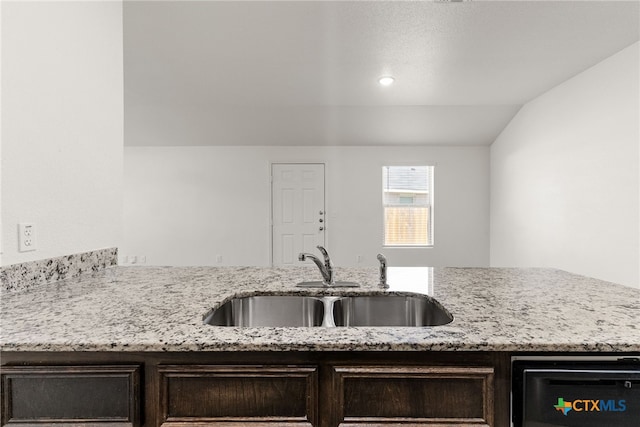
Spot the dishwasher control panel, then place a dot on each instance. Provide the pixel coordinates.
(580, 393)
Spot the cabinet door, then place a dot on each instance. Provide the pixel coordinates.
(417, 395)
(223, 394)
(85, 395)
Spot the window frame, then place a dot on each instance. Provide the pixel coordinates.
(430, 206)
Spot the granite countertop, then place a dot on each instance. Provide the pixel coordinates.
(162, 309)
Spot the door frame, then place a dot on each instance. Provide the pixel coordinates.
(324, 195)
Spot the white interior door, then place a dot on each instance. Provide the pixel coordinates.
(297, 210)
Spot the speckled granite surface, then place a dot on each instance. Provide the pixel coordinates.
(161, 309)
(19, 277)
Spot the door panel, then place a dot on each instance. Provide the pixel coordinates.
(413, 395)
(298, 213)
(287, 205)
(73, 395)
(238, 395)
(309, 214)
(287, 248)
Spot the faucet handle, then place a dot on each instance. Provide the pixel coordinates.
(325, 254)
(328, 268)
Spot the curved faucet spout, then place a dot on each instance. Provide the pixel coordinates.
(304, 256)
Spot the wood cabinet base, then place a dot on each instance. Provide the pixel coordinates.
(87, 395)
(419, 395)
(324, 389)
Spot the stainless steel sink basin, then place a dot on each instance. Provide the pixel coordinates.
(270, 310)
(329, 311)
(389, 310)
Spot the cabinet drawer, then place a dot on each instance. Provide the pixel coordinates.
(71, 394)
(440, 395)
(284, 395)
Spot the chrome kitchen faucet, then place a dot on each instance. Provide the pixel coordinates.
(326, 269)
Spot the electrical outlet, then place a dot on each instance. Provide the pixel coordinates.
(219, 259)
(27, 237)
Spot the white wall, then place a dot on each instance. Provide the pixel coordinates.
(187, 205)
(62, 126)
(565, 177)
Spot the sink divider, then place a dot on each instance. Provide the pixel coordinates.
(328, 320)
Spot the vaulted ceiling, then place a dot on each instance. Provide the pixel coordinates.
(305, 72)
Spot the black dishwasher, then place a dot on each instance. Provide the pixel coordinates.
(576, 393)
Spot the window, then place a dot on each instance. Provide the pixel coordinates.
(407, 199)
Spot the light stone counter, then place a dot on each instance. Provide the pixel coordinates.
(161, 309)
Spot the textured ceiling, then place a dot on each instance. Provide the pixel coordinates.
(305, 72)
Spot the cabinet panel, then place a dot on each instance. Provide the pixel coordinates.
(284, 395)
(71, 394)
(437, 395)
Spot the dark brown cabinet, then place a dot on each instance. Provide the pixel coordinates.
(323, 389)
(419, 395)
(71, 394)
(250, 395)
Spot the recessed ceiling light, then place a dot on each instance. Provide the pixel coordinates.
(386, 80)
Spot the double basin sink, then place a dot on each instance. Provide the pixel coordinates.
(329, 311)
